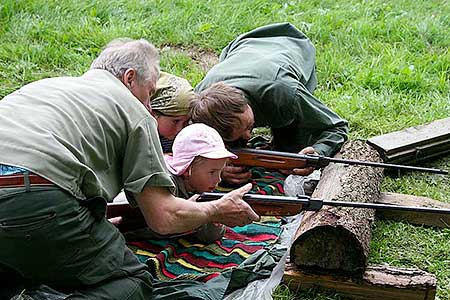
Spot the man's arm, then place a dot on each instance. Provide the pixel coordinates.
(314, 125)
(328, 130)
(167, 214)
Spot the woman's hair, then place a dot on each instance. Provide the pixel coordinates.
(125, 53)
(219, 106)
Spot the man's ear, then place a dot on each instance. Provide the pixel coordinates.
(129, 78)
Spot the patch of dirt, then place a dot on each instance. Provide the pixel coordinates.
(204, 58)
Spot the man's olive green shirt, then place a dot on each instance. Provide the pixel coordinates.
(89, 135)
(274, 66)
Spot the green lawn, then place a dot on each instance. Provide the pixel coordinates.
(382, 65)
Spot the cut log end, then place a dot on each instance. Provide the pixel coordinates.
(339, 250)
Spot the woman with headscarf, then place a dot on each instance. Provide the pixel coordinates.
(170, 107)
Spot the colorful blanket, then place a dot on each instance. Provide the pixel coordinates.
(186, 258)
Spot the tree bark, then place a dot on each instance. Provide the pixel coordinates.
(335, 240)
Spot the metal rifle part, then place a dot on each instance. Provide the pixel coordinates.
(323, 161)
(312, 204)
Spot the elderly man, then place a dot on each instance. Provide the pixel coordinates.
(69, 145)
(266, 77)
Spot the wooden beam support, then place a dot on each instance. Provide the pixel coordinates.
(427, 219)
(378, 282)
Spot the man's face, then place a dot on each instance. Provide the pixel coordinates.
(243, 130)
(143, 91)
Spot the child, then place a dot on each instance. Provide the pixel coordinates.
(199, 155)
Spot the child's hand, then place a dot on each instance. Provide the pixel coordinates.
(116, 221)
(236, 174)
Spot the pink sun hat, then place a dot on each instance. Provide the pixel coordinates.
(195, 140)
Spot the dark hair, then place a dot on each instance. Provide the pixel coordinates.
(218, 106)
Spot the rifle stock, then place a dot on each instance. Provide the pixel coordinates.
(269, 160)
(265, 205)
(288, 161)
(133, 219)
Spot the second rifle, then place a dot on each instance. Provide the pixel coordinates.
(286, 160)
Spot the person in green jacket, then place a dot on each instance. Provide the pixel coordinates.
(68, 146)
(266, 77)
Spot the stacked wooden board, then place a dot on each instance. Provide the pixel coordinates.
(414, 144)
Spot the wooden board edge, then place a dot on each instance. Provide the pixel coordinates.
(378, 282)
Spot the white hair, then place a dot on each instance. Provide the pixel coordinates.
(122, 54)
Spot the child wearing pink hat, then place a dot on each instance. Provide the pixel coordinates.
(198, 157)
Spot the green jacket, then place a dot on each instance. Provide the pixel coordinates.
(89, 135)
(274, 66)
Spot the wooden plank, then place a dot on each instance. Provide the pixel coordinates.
(418, 142)
(378, 282)
(420, 153)
(427, 219)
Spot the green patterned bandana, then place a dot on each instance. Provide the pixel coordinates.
(172, 95)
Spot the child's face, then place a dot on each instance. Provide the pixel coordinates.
(169, 127)
(204, 175)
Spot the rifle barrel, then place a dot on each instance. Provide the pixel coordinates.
(388, 166)
(420, 209)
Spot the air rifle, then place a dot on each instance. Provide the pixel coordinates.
(285, 160)
(263, 205)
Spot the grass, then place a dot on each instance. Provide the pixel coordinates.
(383, 65)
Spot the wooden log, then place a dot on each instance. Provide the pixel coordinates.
(414, 144)
(336, 239)
(427, 219)
(378, 282)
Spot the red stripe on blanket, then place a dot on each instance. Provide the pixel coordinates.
(231, 235)
(199, 261)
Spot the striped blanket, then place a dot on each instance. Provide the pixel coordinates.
(186, 258)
